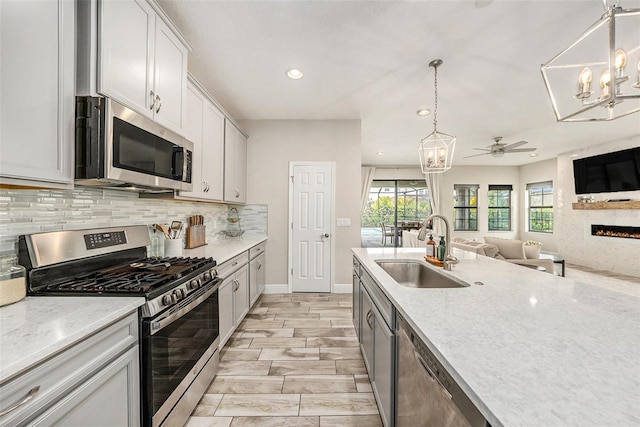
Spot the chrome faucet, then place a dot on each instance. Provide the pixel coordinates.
(449, 259)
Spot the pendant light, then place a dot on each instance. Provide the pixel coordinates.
(436, 149)
(597, 78)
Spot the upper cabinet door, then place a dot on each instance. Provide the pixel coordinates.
(170, 78)
(142, 63)
(213, 151)
(193, 132)
(204, 126)
(126, 40)
(235, 165)
(37, 93)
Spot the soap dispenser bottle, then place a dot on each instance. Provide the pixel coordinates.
(431, 247)
(442, 249)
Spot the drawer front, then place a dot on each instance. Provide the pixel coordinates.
(257, 250)
(62, 373)
(228, 267)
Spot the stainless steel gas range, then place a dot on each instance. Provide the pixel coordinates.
(179, 322)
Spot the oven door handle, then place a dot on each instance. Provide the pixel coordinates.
(159, 324)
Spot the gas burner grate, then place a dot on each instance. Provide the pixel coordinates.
(129, 279)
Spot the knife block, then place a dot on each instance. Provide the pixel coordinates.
(196, 236)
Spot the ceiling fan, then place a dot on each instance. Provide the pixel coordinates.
(498, 149)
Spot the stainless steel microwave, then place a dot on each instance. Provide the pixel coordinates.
(118, 148)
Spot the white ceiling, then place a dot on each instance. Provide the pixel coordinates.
(368, 60)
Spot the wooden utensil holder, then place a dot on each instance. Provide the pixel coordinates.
(196, 236)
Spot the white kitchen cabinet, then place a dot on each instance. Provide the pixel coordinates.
(141, 59)
(235, 164)
(233, 294)
(257, 278)
(71, 388)
(205, 128)
(225, 299)
(241, 295)
(37, 92)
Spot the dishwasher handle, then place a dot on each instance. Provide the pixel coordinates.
(432, 374)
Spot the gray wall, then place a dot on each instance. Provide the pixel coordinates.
(275, 143)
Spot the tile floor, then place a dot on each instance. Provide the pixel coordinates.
(294, 361)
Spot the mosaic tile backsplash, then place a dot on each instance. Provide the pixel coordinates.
(34, 211)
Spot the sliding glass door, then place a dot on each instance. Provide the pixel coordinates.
(394, 206)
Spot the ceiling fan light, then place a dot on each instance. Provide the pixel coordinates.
(497, 154)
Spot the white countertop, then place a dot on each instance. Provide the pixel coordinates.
(223, 250)
(529, 348)
(36, 328)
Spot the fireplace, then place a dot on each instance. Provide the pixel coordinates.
(625, 232)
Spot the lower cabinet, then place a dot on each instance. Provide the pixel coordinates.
(356, 296)
(94, 382)
(378, 345)
(86, 404)
(233, 298)
(257, 277)
(383, 372)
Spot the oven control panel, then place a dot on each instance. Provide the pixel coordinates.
(103, 240)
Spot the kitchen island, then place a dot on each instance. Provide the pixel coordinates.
(528, 348)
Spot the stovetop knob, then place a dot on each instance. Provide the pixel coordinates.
(206, 276)
(194, 284)
(179, 293)
(169, 299)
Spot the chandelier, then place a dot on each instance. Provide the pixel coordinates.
(597, 77)
(436, 149)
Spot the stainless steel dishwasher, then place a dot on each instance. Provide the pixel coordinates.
(427, 395)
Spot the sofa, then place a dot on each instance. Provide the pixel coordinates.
(509, 250)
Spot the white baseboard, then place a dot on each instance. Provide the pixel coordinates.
(276, 289)
(342, 288)
(338, 288)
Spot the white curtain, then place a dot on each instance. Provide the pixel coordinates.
(367, 178)
(435, 186)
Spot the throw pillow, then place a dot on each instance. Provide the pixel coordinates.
(509, 248)
(490, 250)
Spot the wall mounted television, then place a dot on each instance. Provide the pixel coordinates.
(608, 173)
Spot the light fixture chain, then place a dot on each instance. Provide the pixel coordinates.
(435, 110)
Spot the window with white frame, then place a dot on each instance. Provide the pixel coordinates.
(465, 207)
(499, 207)
(540, 211)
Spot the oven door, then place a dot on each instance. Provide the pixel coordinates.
(176, 345)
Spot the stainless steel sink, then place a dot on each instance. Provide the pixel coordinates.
(414, 274)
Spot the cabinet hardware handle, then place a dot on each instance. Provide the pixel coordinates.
(259, 265)
(237, 193)
(159, 104)
(235, 263)
(27, 398)
(153, 100)
(431, 374)
(369, 314)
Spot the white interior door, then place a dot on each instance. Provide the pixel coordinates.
(312, 232)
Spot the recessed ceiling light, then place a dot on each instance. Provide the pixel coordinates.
(294, 74)
(380, 153)
(533, 155)
(423, 112)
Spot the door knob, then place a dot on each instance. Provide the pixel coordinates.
(326, 234)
